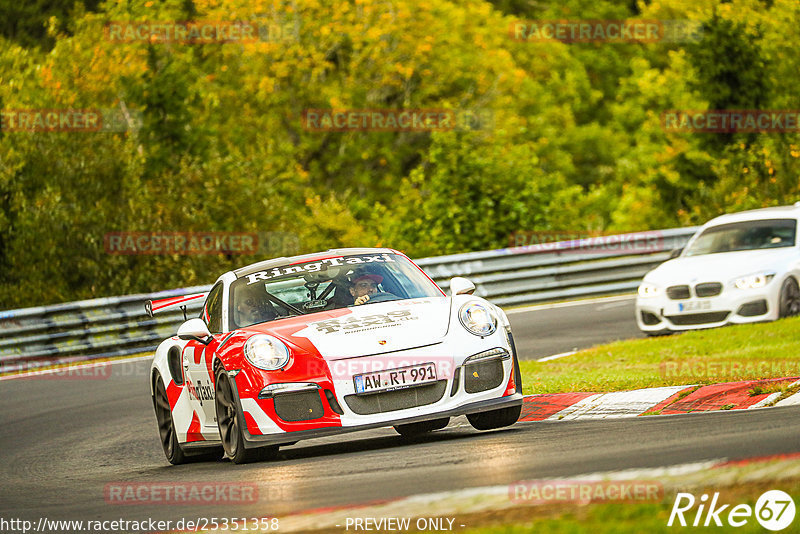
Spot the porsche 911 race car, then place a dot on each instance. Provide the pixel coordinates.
(321, 344)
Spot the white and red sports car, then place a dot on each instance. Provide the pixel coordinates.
(321, 344)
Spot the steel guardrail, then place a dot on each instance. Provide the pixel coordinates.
(118, 326)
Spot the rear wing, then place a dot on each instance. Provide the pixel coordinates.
(161, 305)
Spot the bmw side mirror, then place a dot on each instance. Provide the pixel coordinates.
(195, 329)
(461, 286)
(675, 253)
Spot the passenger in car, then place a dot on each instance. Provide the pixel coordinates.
(253, 306)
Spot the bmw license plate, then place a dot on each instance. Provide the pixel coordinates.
(694, 305)
(390, 379)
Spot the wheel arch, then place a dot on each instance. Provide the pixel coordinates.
(154, 376)
(216, 366)
(788, 275)
(167, 363)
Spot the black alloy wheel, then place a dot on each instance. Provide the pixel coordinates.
(230, 429)
(789, 304)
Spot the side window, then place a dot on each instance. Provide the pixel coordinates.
(212, 311)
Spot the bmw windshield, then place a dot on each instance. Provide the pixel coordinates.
(747, 235)
(327, 284)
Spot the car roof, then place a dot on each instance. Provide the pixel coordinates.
(778, 212)
(291, 260)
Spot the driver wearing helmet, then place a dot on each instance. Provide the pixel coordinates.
(253, 306)
(362, 285)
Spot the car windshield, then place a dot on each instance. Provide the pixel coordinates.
(327, 284)
(747, 235)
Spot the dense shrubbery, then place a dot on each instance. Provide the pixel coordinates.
(573, 139)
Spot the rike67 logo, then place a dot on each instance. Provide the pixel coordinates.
(774, 510)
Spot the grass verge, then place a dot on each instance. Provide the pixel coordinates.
(729, 354)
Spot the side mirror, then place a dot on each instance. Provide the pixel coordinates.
(461, 286)
(194, 329)
(675, 253)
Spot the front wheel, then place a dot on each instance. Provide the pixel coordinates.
(230, 430)
(423, 427)
(495, 418)
(789, 303)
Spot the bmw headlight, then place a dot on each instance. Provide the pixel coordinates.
(753, 281)
(477, 319)
(647, 290)
(266, 352)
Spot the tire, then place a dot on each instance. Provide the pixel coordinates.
(173, 450)
(166, 428)
(517, 374)
(423, 427)
(230, 428)
(789, 300)
(495, 418)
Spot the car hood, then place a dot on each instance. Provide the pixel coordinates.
(722, 267)
(366, 330)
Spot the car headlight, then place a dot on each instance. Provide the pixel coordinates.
(266, 352)
(753, 281)
(647, 290)
(477, 319)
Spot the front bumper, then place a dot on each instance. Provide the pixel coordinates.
(731, 306)
(259, 440)
(335, 408)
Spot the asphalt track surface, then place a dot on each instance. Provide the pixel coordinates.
(65, 440)
(541, 331)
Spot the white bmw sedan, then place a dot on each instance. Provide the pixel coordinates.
(738, 268)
